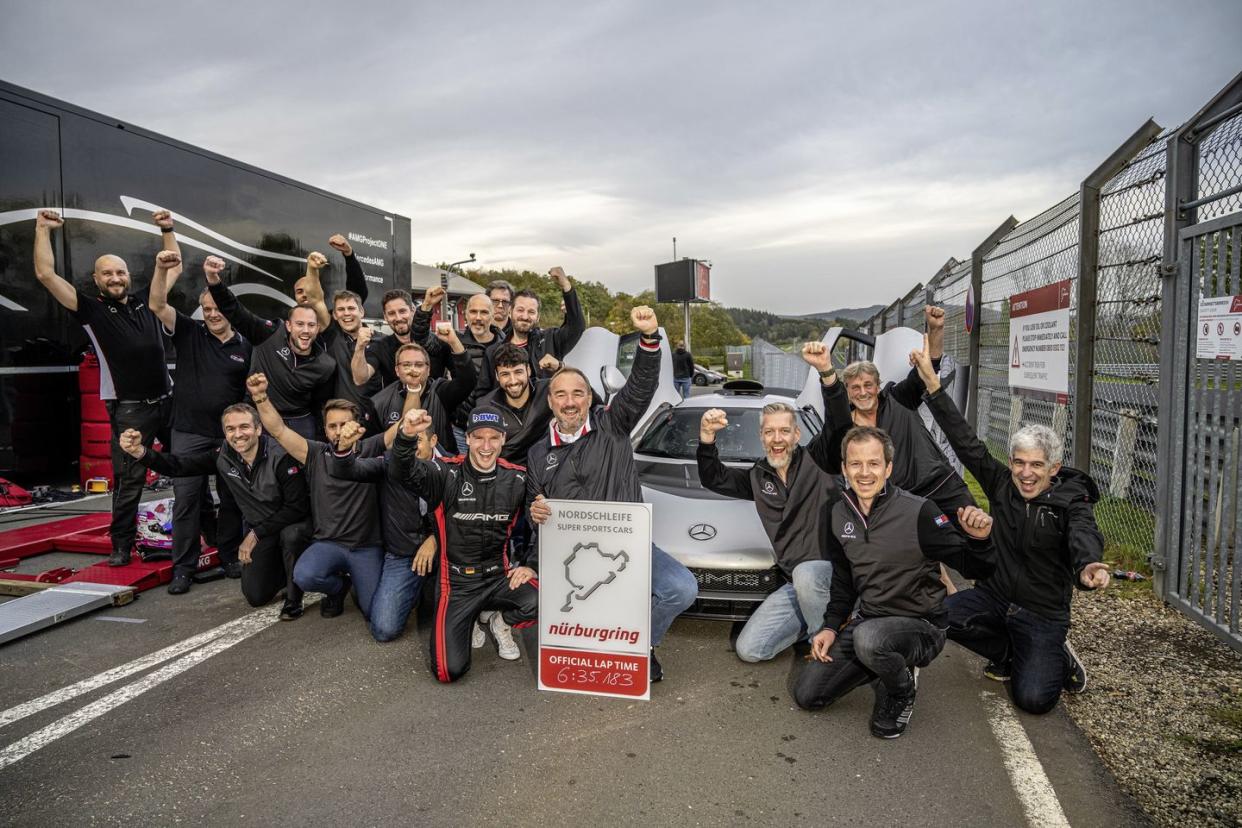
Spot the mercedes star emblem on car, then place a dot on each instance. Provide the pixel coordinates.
(702, 531)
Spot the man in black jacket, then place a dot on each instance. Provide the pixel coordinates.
(415, 388)
(792, 495)
(270, 490)
(477, 499)
(1047, 543)
(886, 545)
(683, 369)
(523, 402)
(587, 455)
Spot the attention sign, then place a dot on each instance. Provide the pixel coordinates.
(1039, 333)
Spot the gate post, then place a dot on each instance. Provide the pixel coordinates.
(976, 285)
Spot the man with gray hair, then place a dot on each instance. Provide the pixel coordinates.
(792, 494)
(1047, 542)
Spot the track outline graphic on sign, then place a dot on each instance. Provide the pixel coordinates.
(622, 556)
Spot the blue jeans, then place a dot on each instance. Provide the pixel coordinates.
(321, 566)
(673, 590)
(395, 597)
(682, 386)
(1000, 632)
(787, 615)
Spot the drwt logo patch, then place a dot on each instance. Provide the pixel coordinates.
(768, 488)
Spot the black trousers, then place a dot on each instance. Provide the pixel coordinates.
(194, 512)
(459, 600)
(129, 476)
(271, 565)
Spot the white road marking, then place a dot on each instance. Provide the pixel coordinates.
(119, 619)
(1026, 774)
(21, 711)
(238, 631)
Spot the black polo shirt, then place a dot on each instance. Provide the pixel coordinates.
(344, 511)
(382, 356)
(209, 377)
(129, 341)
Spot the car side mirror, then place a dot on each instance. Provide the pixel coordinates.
(612, 379)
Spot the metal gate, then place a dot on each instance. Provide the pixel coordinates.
(1197, 560)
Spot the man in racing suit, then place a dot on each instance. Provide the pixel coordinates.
(477, 499)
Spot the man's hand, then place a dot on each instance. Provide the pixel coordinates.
(341, 244)
(923, 362)
(561, 279)
(644, 320)
(415, 422)
(934, 317)
(256, 385)
(163, 219)
(816, 355)
(425, 556)
(714, 419)
(349, 436)
(520, 575)
(365, 333)
(167, 259)
(213, 266)
(539, 510)
(49, 219)
(446, 334)
(822, 643)
(549, 364)
(1094, 576)
(246, 548)
(316, 262)
(432, 297)
(975, 522)
(131, 443)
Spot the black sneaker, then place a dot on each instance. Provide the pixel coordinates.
(291, 610)
(894, 714)
(179, 585)
(657, 672)
(1076, 675)
(119, 557)
(999, 670)
(232, 569)
(333, 605)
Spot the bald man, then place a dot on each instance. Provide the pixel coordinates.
(133, 374)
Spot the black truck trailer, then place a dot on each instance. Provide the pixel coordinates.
(106, 177)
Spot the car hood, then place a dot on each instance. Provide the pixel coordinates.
(679, 505)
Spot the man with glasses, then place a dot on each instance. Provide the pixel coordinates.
(501, 293)
(415, 388)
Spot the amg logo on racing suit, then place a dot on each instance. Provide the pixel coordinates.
(481, 516)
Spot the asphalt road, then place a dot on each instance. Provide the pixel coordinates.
(313, 721)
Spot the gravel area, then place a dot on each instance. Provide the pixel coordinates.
(1163, 706)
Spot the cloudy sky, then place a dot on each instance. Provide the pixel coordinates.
(820, 154)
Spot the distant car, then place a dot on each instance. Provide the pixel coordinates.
(719, 539)
(706, 376)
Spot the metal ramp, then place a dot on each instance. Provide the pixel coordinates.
(55, 604)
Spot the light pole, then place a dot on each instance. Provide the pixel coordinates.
(444, 303)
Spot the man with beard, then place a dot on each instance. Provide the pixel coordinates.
(587, 455)
(477, 498)
(375, 358)
(299, 370)
(501, 293)
(346, 544)
(133, 376)
(523, 402)
(886, 617)
(210, 375)
(545, 347)
(270, 490)
(479, 334)
(414, 387)
(792, 495)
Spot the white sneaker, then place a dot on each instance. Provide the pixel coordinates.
(477, 637)
(504, 637)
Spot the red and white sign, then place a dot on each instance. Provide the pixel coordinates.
(702, 281)
(1220, 328)
(595, 599)
(1039, 336)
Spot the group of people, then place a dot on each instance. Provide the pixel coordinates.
(347, 461)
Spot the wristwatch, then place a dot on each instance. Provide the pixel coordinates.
(831, 372)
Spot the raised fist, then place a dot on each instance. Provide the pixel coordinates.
(934, 317)
(433, 296)
(549, 364)
(975, 522)
(713, 421)
(213, 266)
(364, 335)
(131, 443)
(644, 320)
(163, 219)
(415, 422)
(816, 355)
(446, 334)
(316, 261)
(349, 435)
(340, 243)
(558, 274)
(922, 362)
(256, 384)
(48, 218)
(167, 259)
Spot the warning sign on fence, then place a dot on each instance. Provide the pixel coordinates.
(1220, 328)
(1039, 331)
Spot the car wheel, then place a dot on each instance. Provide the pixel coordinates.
(699, 379)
